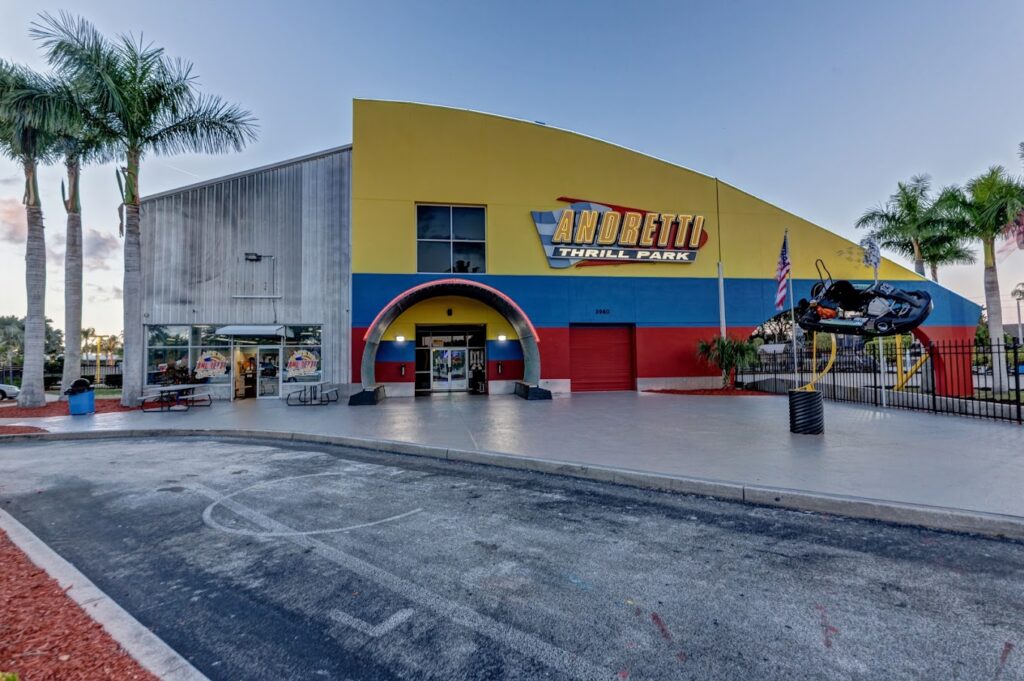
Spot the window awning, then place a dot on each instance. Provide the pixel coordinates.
(251, 330)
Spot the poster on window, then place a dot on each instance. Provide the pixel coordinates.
(302, 363)
(211, 364)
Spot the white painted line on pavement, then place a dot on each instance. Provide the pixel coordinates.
(376, 631)
(527, 644)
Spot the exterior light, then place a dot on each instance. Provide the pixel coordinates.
(253, 257)
(400, 339)
(502, 337)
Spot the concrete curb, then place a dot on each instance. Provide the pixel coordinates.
(918, 515)
(139, 642)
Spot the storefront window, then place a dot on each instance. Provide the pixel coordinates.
(302, 359)
(451, 239)
(168, 336)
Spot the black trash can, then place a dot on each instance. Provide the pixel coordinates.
(81, 399)
(806, 412)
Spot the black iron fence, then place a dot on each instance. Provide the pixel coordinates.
(965, 378)
(109, 376)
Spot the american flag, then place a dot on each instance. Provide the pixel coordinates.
(782, 273)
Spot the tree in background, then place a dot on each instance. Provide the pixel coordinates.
(79, 140)
(983, 210)
(727, 354)
(148, 103)
(87, 336)
(904, 220)
(29, 142)
(943, 249)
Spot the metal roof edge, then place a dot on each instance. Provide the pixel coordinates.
(250, 171)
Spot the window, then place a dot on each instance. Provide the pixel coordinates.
(302, 360)
(451, 239)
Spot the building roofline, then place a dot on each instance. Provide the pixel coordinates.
(250, 171)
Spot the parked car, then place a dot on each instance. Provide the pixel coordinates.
(8, 391)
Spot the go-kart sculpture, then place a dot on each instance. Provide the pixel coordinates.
(878, 309)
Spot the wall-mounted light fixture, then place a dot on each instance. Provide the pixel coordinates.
(400, 339)
(502, 337)
(253, 257)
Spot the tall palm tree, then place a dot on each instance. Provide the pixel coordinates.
(29, 143)
(904, 220)
(149, 104)
(79, 140)
(983, 209)
(86, 341)
(944, 248)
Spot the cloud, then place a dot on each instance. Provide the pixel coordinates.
(10, 180)
(99, 249)
(104, 294)
(13, 227)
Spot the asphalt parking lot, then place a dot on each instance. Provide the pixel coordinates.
(263, 561)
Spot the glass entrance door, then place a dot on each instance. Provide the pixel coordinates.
(269, 371)
(448, 369)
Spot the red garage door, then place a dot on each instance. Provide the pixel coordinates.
(601, 358)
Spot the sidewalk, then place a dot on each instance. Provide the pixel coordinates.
(897, 456)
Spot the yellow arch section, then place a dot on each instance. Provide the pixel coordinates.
(404, 154)
(464, 311)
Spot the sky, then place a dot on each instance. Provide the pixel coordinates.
(817, 107)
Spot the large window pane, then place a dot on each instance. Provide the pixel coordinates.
(468, 257)
(303, 335)
(168, 335)
(434, 256)
(158, 360)
(207, 335)
(433, 222)
(212, 365)
(467, 223)
(302, 365)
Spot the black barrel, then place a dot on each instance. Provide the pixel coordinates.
(806, 412)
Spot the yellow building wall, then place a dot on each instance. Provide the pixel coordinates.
(464, 311)
(404, 154)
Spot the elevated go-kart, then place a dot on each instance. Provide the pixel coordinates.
(874, 310)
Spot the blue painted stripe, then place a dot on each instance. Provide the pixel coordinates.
(393, 351)
(504, 350)
(644, 301)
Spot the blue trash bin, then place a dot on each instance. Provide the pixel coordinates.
(81, 398)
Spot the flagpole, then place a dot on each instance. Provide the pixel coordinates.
(792, 317)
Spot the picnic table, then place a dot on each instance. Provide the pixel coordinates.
(318, 393)
(178, 397)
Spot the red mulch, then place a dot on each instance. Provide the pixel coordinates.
(20, 430)
(59, 409)
(717, 392)
(45, 636)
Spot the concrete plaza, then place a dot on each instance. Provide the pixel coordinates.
(894, 456)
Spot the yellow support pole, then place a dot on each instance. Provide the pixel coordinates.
(814, 360)
(901, 383)
(900, 370)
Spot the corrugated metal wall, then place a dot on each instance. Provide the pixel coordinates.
(194, 242)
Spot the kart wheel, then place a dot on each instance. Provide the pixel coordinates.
(883, 327)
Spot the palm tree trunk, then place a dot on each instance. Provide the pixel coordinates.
(918, 257)
(32, 392)
(132, 365)
(72, 280)
(994, 312)
(935, 272)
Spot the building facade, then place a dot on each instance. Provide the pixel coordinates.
(453, 251)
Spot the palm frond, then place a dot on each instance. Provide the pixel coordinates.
(209, 125)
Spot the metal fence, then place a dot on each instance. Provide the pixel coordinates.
(109, 375)
(965, 378)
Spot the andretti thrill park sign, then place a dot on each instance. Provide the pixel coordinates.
(588, 233)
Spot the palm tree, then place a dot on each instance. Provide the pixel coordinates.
(944, 248)
(983, 209)
(87, 335)
(904, 220)
(79, 140)
(148, 103)
(29, 143)
(727, 354)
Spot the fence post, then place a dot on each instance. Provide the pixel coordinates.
(1016, 376)
(931, 366)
